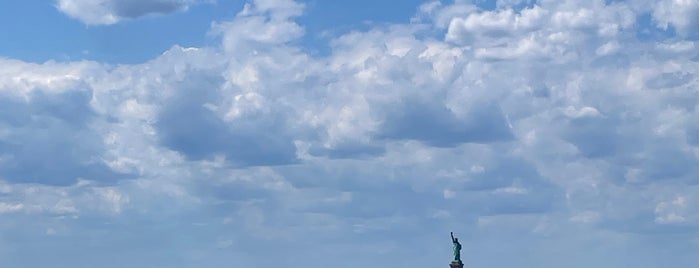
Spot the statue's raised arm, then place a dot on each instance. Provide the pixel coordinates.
(452, 236)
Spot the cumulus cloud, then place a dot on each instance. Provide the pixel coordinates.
(47, 126)
(438, 126)
(681, 14)
(189, 124)
(532, 120)
(112, 11)
(48, 140)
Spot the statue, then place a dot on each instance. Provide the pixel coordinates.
(457, 248)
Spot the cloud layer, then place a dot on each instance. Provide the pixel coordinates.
(552, 126)
(113, 11)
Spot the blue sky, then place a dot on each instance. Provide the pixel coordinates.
(39, 32)
(233, 133)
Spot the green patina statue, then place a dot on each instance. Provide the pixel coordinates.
(457, 248)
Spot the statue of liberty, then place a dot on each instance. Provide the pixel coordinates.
(457, 248)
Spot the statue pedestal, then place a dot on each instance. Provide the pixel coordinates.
(456, 264)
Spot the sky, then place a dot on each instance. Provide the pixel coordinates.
(234, 133)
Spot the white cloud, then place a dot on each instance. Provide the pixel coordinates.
(608, 48)
(261, 23)
(112, 11)
(531, 122)
(582, 112)
(113, 199)
(678, 47)
(497, 22)
(681, 14)
(8, 208)
(257, 100)
(586, 217)
(675, 211)
(21, 78)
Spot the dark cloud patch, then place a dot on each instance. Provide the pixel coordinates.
(692, 133)
(48, 140)
(353, 175)
(663, 162)
(189, 126)
(594, 136)
(611, 61)
(436, 125)
(138, 8)
(669, 80)
(541, 91)
(107, 12)
(348, 150)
